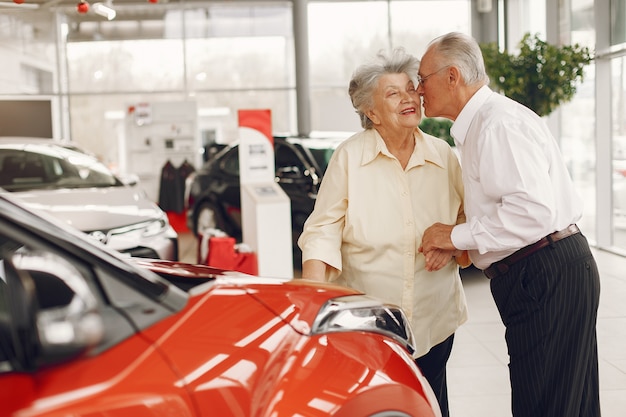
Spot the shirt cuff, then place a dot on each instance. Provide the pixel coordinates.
(461, 237)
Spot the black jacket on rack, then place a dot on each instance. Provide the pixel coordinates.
(172, 186)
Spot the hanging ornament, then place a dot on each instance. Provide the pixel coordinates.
(82, 7)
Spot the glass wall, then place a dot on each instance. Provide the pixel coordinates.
(28, 49)
(577, 118)
(618, 101)
(618, 127)
(222, 56)
(343, 35)
(229, 56)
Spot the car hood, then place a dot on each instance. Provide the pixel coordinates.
(92, 209)
(296, 301)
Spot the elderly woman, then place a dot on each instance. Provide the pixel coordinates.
(382, 188)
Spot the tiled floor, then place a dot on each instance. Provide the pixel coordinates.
(477, 372)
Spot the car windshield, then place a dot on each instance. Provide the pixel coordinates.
(33, 167)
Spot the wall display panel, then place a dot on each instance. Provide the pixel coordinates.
(97, 122)
(26, 118)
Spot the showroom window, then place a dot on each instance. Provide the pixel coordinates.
(125, 66)
(618, 22)
(224, 56)
(28, 52)
(229, 56)
(344, 35)
(618, 69)
(577, 117)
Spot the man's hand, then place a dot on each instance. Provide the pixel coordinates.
(437, 236)
(437, 245)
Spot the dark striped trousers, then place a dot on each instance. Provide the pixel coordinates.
(548, 303)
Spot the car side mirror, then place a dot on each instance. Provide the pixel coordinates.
(65, 313)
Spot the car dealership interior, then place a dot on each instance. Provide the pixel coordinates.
(153, 88)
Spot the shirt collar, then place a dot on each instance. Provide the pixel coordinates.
(462, 123)
(424, 150)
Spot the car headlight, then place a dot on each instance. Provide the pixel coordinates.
(155, 227)
(143, 229)
(364, 313)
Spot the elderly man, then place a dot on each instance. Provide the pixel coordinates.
(521, 210)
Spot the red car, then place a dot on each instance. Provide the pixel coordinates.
(85, 331)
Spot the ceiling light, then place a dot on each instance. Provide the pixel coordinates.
(104, 10)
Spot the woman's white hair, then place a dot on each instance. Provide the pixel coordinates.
(365, 78)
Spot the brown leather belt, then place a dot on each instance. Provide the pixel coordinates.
(502, 266)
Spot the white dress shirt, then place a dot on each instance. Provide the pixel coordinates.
(368, 222)
(517, 186)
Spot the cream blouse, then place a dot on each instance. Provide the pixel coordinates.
(368, 223)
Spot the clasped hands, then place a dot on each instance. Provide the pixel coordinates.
(437, 246)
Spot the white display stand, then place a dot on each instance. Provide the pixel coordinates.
(265, 208)
(156, 133)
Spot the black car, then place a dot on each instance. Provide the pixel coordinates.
(213, 192)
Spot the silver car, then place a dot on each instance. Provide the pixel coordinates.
(73, 186)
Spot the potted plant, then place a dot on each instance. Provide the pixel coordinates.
(542, 76)
(438, 127)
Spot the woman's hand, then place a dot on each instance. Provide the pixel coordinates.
(438, 258)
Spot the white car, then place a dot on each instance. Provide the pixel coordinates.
(76, 188)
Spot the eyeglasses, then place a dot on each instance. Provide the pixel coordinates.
(422, 80)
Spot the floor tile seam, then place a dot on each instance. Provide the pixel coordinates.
(606, 362)
(611, 317)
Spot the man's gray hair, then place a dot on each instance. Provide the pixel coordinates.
(463, 52)
(365, 78)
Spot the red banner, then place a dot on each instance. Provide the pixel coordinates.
(258, 119)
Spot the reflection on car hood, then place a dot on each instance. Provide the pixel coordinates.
(91, 209)
(296, 301)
